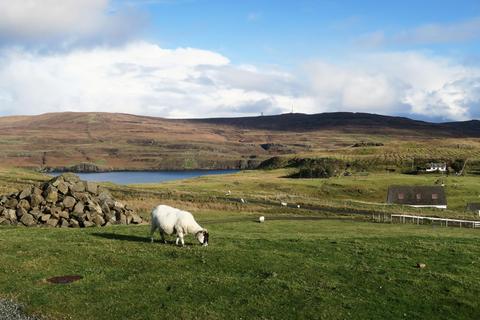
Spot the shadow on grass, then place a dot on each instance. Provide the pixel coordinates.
(128, 237)
(122, 237)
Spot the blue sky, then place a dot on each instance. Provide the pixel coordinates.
(288, 32)
(199, 58)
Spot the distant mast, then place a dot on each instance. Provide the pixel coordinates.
(292, 109)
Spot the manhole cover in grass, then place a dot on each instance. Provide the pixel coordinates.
(64, 279)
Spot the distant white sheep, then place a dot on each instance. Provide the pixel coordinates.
(169, 220)
(242, 200)
(228, 193)
(261, 219)
(284, 204)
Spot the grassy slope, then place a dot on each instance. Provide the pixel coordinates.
(354, 191)
(280, 269)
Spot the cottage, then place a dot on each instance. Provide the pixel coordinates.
(436, 167)
(418, 196)
(474, 207)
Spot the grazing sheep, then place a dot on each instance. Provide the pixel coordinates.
(298, 206)
(242, 200)
(169, 220)
(284, 204)
(261, 219)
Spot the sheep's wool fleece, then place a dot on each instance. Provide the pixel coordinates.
(170, 219)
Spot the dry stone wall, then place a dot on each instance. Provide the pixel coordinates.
(65, 201)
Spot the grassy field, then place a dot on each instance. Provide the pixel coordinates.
(277, 270)
(339, 268)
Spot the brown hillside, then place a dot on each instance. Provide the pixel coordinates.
(123, 141)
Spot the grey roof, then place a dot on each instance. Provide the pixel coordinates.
(408, 195)
(473, 206)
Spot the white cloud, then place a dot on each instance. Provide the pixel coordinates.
(63, 21)
(138, 78)
(397, 83)
(143, 78)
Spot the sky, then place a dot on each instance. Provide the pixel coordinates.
(200, 58)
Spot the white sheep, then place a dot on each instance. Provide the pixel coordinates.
(169, 220)
(284, 204)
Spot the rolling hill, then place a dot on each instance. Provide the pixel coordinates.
(111, 141)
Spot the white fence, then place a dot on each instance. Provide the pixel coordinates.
(405, 218)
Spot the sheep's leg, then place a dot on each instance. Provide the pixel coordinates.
(152, 231)
(162, 236)
(180, 238)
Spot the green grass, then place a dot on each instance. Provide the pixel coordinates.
(276, 270)
(319, 269)
(368, 192)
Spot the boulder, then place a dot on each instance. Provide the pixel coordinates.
(98, 220)
(94, 207)
(37, 191)
(70, 177)
(25, 193)
(52, 222)
(24, 204)
(36, 199)
(20, 212)
(62, 188)
(55, 212)
(74, 223)
(45, 217)
(136, 218)
(28, 220)
(11, 203)
(10, 214)
(91, 187)
(129, 218)
(69, 202)
(64, 223)
(118, 206)
(64, 215)
(51, 194)
(35, 212)
(87, 224)
(78, 187)
(79, 207)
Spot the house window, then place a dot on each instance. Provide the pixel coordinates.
(419, 196)
(401, 196)
(434, 196)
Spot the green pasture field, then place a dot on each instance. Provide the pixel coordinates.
(341, 268)
(320, 269)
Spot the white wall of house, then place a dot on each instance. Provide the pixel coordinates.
(440, 167)
(429, 206)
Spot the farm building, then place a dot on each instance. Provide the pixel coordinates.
(474, 207)
(436, 167)
(418, 196)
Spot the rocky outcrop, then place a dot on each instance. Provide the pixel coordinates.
(79, 168)
(64, 201)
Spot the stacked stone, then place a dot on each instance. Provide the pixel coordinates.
(65, 201)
